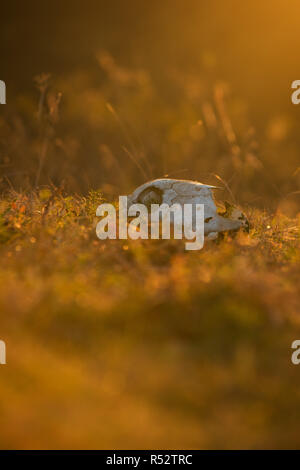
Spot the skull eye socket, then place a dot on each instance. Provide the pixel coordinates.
(150, 196)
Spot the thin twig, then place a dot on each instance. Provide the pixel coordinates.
(226, 186)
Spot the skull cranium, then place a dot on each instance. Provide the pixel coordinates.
(173, 191)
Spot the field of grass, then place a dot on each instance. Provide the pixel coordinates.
(140, 344)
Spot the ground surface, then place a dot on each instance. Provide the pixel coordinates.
(130, 344)
(127, 344)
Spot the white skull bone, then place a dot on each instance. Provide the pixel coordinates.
(173, 191)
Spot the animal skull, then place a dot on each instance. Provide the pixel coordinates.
(172, 191)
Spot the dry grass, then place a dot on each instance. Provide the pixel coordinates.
(140, 344)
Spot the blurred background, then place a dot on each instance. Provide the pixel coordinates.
(106, 94)
(132, 344)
